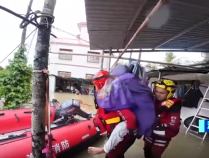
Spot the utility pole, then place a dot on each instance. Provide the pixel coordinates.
(25, 28)
(39, 79)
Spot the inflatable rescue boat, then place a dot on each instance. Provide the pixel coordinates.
(18, 119)
(66, 137)
(67, 131)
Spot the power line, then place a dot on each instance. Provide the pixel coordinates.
(76, 37)
(31, 42)
(17, 47)
(18, 15)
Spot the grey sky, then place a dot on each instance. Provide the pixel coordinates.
(67, 14)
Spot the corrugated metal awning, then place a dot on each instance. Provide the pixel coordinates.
(112, 23)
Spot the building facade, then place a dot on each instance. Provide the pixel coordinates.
(63, 63)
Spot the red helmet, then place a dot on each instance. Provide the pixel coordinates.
(100, 78)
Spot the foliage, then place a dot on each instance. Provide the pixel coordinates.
(151, 66)
(1, 68)
(15, 81)
(169, 57)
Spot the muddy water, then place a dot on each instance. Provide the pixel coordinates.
(181, 146)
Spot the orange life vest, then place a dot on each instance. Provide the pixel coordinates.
(109, 119)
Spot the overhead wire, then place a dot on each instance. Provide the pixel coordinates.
(31, 42)
(17, 46)
(18, 15)
(58, 29)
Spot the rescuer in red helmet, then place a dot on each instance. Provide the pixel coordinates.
(120, 124)
(168, 111)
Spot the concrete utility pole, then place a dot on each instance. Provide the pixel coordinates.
(39, 79)
(25, 28)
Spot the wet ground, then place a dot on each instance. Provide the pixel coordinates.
(181, 147)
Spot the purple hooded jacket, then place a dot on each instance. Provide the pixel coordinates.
(129, 92)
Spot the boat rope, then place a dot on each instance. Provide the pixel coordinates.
(48, 150)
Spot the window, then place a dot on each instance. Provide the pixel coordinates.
(93, 59)
(64, 74)
(89, 76)
(66, 50)
(63, 54)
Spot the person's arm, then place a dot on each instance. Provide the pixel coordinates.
(116, 136)
(128, 126)
(171, 126)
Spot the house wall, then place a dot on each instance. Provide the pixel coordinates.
(78, 66)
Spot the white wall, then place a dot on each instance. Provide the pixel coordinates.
(78, 67)
(84, 33)
(187, 112)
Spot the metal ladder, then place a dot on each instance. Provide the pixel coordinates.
(197, 116)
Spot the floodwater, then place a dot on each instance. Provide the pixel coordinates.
(181, 146)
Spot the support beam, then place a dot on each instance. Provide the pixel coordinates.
(102, 61)
(136, 15)
(150, 51)
(198, 45)
(156, 8)
(183, 32)
(39, 80)
(130, 57)
(134, 19)
(139, 56)
(147, 61)
(110, 54)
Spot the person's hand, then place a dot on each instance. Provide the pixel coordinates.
(95, 150)
(45, 71)
(168, 103)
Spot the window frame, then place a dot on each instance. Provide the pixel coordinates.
(64, 72)
(89, 78)
(62, 52)
(89, 61)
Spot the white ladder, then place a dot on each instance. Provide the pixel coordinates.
(197, 116)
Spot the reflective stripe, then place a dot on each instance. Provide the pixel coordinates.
(157, 144)
(159, 132)
(161, 141)
(113, 120)
(148, 140)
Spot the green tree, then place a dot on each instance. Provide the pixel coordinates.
(1, 68)
(15, 81)
(169, 57)
(151, 66)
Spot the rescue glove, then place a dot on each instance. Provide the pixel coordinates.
(167, 103)
(165, 106)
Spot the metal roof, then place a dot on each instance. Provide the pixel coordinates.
(112, 23)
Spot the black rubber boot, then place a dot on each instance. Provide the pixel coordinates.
(147, 152)
(154, 156)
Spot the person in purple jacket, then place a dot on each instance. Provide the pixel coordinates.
(128, 89)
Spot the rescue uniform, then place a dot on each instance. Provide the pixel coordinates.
(167, 126)
(121, 128)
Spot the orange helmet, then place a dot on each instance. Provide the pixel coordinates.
(100, 78)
